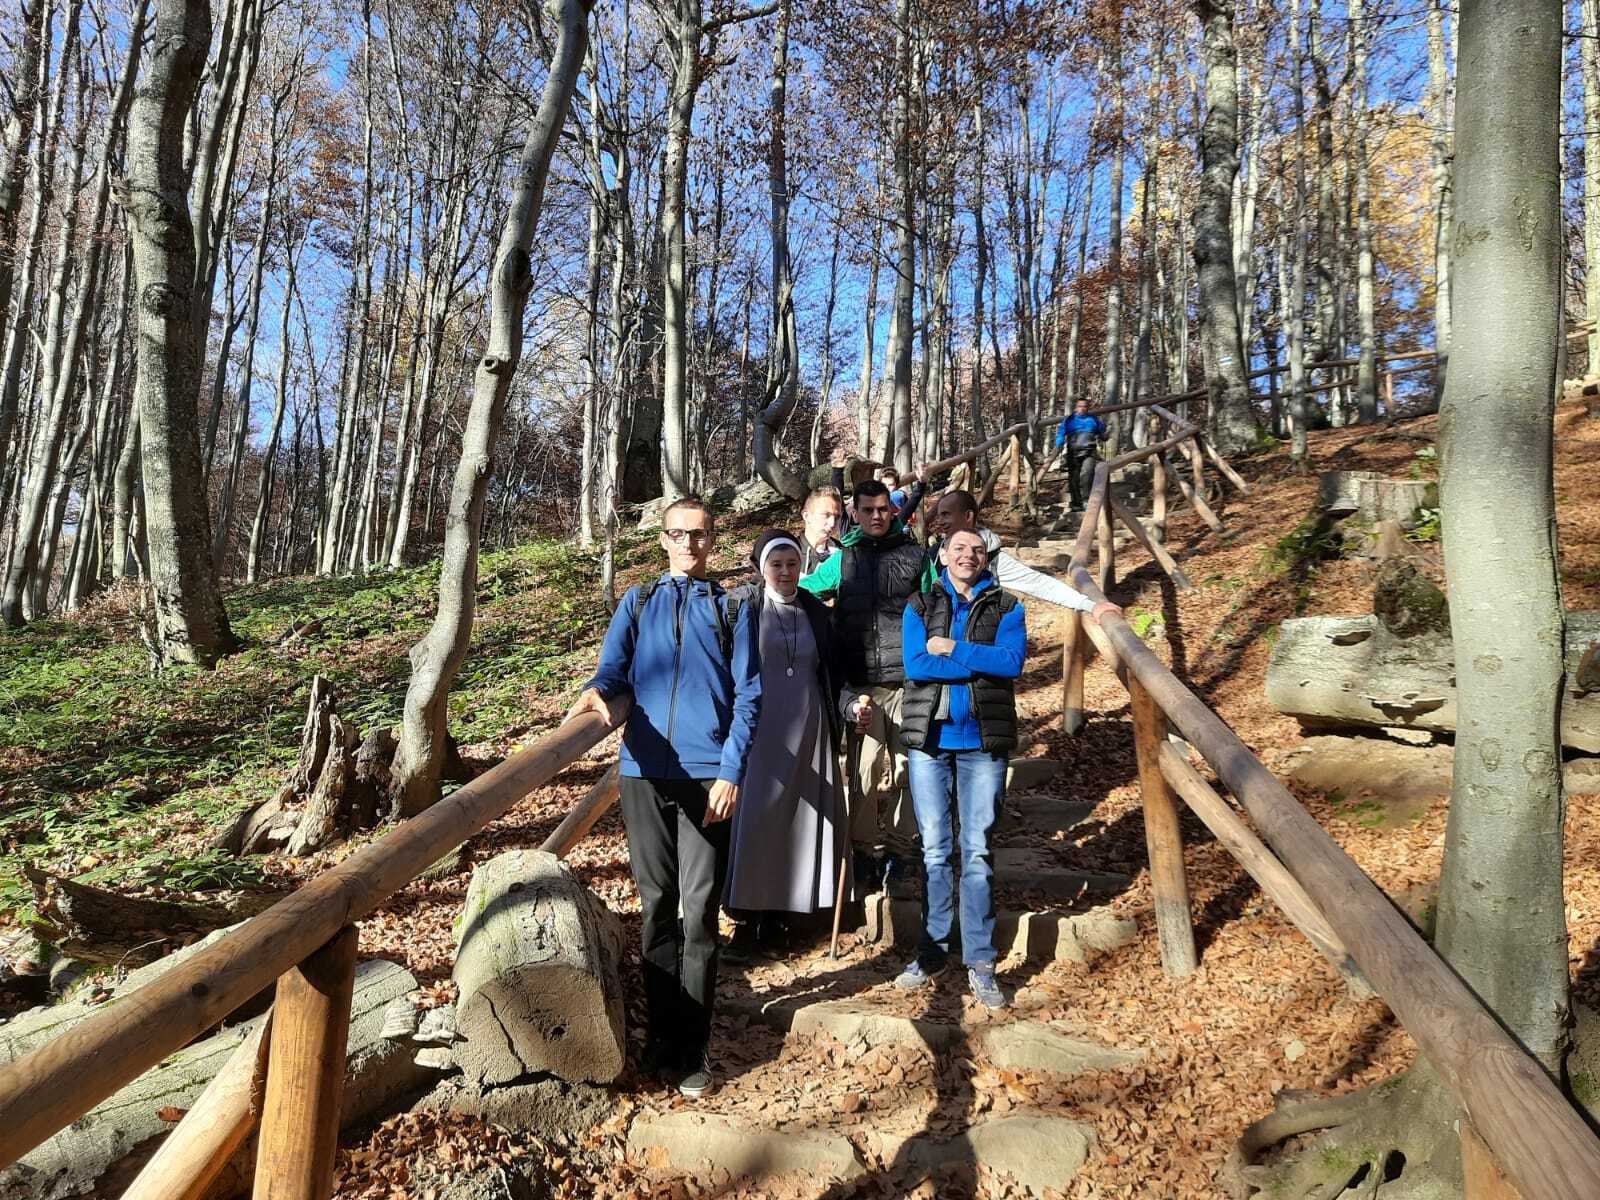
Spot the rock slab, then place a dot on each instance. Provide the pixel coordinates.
(538, 972)
(1039, 1153)
(1030, 1046)
(692, 1143)
(1040, 936)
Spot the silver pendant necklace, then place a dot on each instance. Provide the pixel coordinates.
(791, 637)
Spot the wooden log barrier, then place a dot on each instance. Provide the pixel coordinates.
(576, 824)
(1259, 863)
(1158, 498)
(1532, 1130)
(305, 1075)
(63, 1079)
(1073, 647)
(1107, 575)
(1196, 500)
(195, 1153)
(1156, 549)
(1163, 838)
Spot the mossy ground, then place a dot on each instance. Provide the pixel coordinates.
(108, 772)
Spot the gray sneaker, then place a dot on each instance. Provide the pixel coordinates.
(697, 1078)
(916, 975)
(985, 989)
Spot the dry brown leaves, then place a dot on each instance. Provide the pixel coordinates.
(1262, 1013)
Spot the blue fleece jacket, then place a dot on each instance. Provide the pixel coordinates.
(1087, 423)
(694, 711)
(1004, 659)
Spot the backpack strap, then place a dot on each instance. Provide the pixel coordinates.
(727, 613)
(727, 621)
(642, 594)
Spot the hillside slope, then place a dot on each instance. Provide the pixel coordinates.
(111, 775)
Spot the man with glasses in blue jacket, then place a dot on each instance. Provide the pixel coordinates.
(688, 657)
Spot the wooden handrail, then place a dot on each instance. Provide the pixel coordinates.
(1534, 1133)
(60, 1081)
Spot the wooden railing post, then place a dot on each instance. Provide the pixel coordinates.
(1106, 575)
(1016, 470)
(305, 1075)
(1074, 647)
(1163, 838)
(1158, 497)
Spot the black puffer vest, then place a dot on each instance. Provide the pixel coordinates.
(876, 578)
(994, 701)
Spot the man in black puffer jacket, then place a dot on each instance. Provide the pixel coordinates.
(869, 580)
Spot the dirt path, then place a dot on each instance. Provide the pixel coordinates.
(872, 1089)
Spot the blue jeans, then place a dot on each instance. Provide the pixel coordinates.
(979, 781)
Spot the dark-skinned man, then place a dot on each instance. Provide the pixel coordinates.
(877, 569)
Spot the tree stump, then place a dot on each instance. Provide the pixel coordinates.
(1375, 498)
(335, 788)
(537, 969)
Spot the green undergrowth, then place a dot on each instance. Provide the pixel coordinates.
(110, 773)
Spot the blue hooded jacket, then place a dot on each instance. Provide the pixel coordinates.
(1086, 424)
(1004, 659)
(694, 711)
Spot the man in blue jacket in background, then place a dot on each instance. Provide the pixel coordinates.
(1082, 432)
(688, 657)
(964, 642)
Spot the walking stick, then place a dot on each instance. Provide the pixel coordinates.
(852, 759)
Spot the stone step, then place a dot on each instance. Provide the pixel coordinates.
(1040, 936)
(1041, 1154)
(1025, 774)
(1044, 813)
(1019, 1045)
(1028, 869)
(701, 1144)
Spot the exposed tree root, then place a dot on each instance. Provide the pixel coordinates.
(1396, 1139)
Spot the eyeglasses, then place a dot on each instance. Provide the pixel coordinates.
(680, 536)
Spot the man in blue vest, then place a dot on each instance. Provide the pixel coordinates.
(965, 643)
(1082, 432)
(689, 659)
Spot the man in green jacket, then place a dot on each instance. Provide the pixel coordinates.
(877, 569)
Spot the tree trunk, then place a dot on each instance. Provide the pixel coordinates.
(901, 332)
(1441, 117)
(1367, 375)
(1233, 419)
(1079, 286)
(1590, 57)
(28, 70)
(783, 354)
(869, 330)
(190, 621)
(419, 759)
(1111, 359)
(825, 386)
(1295, 302)
(332, 521)
(683, 40)
(269, 455)
(1502, 923)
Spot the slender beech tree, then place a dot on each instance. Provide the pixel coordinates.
(783, 354)
(420, 756)
(1233, 420)
(897, 447)
(191, 624)
(1502, 923)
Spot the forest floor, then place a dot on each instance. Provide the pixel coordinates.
(114, 776)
